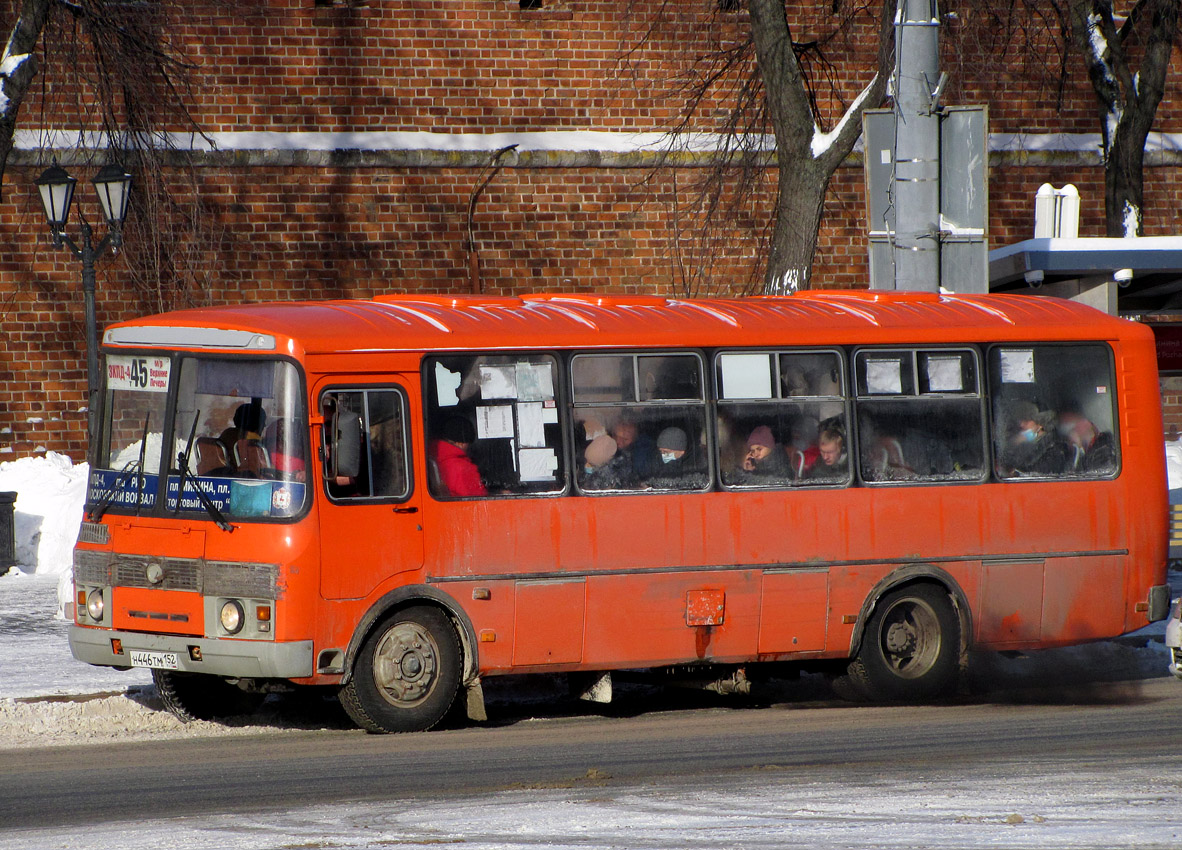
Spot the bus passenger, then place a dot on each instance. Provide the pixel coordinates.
(249, 420)
(671, 443)
(1091, 449)
(606, 468)
(458, 473)
(639, 449)
(764, 456)
(831, 451)
(1035, 447)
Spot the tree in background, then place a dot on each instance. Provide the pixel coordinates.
(1128, 96)
(770, 86)
(111, 84)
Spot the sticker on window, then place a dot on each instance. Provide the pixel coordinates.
(498, 382)
(944, 375)
(138, 374)
(1017, 367)
(884, 377)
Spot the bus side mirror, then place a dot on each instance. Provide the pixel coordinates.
(345, 455)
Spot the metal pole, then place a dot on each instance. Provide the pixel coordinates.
(87, 255)
(917, 147)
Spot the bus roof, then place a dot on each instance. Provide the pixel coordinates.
(557, 320)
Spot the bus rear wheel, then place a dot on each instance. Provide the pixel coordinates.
(199, 696)
(911, 647)
(407, 673)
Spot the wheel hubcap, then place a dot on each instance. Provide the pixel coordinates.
(405, 663)
(910, 638)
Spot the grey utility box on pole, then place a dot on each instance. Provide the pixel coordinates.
(964, 198)
(926, 178)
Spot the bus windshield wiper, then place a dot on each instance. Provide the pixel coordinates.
(132, 467)
(183, 460)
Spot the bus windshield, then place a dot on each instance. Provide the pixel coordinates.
(238, 443)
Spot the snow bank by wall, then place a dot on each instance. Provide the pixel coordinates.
(51, 492)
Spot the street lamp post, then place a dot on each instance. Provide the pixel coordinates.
(113, 186)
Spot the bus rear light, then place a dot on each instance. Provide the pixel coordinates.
(116, 646)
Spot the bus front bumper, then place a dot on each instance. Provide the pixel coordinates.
(247, 659)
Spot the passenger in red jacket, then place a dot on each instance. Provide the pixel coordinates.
(457, 472)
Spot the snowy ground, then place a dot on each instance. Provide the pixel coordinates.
(48, 699)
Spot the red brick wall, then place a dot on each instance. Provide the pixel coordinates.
(479, 66)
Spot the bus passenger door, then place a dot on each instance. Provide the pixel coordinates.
(370, 520)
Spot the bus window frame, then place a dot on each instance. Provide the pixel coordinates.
(430, 403)
(844, 397)
(704, 401)
(407, 440)
(1114, 395)
(857, 399)
(168, 467)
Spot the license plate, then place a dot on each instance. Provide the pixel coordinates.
(156, 660)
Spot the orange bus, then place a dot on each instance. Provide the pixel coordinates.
(401, 497)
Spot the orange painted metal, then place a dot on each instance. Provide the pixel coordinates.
(630, 580)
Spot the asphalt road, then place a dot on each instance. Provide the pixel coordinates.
(1125, 722)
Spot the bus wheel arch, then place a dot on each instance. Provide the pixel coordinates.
(409, 659)
(407, 672)
(912, 635)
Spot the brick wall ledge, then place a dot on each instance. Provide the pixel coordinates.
(557, 149)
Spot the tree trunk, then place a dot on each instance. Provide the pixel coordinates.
(799, 203)
(17, 74)
(1127, 98)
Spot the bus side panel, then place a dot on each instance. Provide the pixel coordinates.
(1143, 472)
(642, 620)
(1078, 604)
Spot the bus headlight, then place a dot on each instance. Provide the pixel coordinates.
(94, 605)
(232, 616)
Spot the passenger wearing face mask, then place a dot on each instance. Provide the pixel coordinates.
(1035, 447)
(671, 443)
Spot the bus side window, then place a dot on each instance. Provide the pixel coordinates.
(365, 445)
(639, 422)
(781, 419)
(493, 426)
(920, 415)
(1054, 411)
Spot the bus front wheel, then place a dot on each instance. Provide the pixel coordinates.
(407, 673)
(199, 696)
(911, 647)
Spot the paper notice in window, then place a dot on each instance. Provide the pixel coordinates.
(530, 421)
(537, 464)
(1017, 367)
(498, 382)
(447, 385)
(884, 377)
(944, 375)
(494, 422)
(534, 382)
(746, 375)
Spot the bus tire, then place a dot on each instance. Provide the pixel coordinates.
(199, 696)
(911, 647)
(407, 673)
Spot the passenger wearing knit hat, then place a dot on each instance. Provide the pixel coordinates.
(672, 440)
(764, 456)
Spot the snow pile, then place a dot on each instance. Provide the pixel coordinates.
(51, 492)
(1174, 464)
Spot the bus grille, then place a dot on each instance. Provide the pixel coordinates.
(210, 578)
